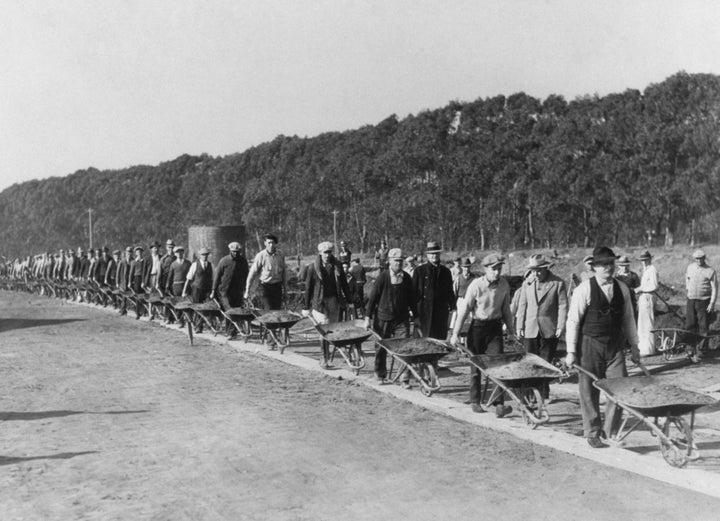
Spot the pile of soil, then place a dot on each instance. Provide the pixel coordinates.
(416, 346)
(206, 306)
(239, 312)
(348, 333)
(278, 317)
(648, 391)
(526, 367)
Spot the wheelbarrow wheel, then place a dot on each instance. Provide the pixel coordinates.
(533, 410)
(429, 379)
(356, 358)
(677, 444)
(666, 347)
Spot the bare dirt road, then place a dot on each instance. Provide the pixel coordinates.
(110, 418)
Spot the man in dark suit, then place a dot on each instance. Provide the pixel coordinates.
(542, 310)
(433, 287)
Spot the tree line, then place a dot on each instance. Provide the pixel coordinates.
(501, 172)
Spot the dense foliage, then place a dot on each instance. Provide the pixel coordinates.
(502, 172)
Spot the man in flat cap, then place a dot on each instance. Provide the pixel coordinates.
(433, 287)
(389, 308)
(270, 270)
(488, 300)
(229, 281)
(177, 275)
(600, 319)
(165, 262)
(122, 278)
(701, 285)
(542, 311)
(326, 292)
(136, 274)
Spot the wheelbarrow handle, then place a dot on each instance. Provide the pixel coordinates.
(595, 378)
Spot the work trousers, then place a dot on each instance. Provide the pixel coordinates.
(271, 295)
(696, 315)
(604, 358)
(331, 307)
(545, 348)
(484, 337)
(696, 318)
(230, 300)
(389, 329)
(198, 296)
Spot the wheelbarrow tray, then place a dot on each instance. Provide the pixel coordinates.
(206, 308)
(514, 369)
(277, 319)
(182, 305)
(653, 396)
(346, 333)
(240, 313)
(415, 350)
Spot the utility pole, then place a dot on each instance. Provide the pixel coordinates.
(90, 226)
(335, 213)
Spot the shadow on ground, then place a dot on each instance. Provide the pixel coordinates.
(41, 415)
(9, 324)
(11, 460)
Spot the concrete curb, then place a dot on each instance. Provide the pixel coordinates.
(656, 468)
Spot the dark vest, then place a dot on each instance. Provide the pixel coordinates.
(203, 277)
(603, 318)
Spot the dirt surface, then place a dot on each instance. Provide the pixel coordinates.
(105, 418)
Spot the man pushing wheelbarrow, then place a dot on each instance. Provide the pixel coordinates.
(326, 290)
(600, 317)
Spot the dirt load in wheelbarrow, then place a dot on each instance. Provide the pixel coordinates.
(276, 325)
(241, 318)
(659, 405)
(520, 376)
(418, 356)
(347, 338)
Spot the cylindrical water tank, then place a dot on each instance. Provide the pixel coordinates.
(216, 238)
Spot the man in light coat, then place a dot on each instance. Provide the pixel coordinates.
(542, 311)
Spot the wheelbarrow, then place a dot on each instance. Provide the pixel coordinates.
(346, 338)
(680, 343)
(241, 318)
(520, 376)
(417, 356)
(276, 325)
(660, 406)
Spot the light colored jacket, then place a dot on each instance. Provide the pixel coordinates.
(543, 312)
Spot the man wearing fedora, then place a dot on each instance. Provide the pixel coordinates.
(463, 280)
(389, 307)
(152, 269)
(326, 291)
(229, 280)
(701, 285)
(433, 287)
(600, 319)
(542, 311)
(629, 277)
(488, 301)
(646, 305)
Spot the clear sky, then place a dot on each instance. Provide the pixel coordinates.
(115, 83)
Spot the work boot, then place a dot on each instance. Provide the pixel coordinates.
(596, 443)
(476, 407)
(502, 410)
